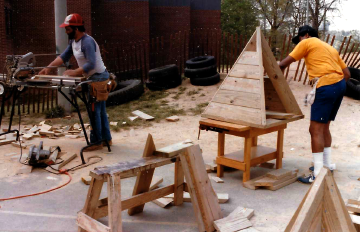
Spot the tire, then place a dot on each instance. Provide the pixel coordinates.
(164, 73)
(355, 73)
(156, 86)
(200, 62)
(125, 91)
(205, 81)
(201, 72)
(353, 88)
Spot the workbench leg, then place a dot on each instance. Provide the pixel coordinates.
(114, 203)
(92, 199)
(179, 184)
(144, 178)
(255, 141)
(221, 152)
(279, 148)
(247, 158)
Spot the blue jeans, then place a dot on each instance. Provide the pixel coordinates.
(101, 129)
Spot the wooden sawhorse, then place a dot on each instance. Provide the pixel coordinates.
(252, 154)
(188, 163)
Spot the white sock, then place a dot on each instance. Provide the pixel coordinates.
(318, 162)
(327, 157)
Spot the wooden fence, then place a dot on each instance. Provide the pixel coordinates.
(134, 60)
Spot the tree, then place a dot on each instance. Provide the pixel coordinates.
(318, 10)
(238, 17)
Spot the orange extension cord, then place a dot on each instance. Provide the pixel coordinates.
(34, 194)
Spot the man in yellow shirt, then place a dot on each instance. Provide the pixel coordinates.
(323, 62)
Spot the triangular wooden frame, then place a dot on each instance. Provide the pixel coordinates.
(322, 208)
(247, 97)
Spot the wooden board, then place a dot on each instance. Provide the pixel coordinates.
(269, 182)
(249, 58)
(142, 115)
(156, 180)
(217, 179)
(222, 197)
(242, 212)
(230, 97)
(204, 200)
(175, 149)
(7, 141)
(66, 159)
(231, 224)
(241, 85)
(245, 71)
(279, 173)
(163, 202)
(278, 115)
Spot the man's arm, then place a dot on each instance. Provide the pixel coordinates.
(347, 74)
(286, 62)
(57, 62)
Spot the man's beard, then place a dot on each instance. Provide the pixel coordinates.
(71, 35)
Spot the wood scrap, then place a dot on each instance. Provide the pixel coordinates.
(59, 134)
(267, 165)
(46, 133)
(217, 179)
(353, 206)
(28, 136)
(133, 118)
(45, 127)
(272, 183)
(86, 180)
(163, 202)
(52, 158)
(6, 141)
(211, 166)
(356, 221)
(17, 144)
(231, 224)
(279, 174)
(242, 212)
(174, 149)
(156, 180)
(173, 118)
(269, 182)
(278, 115)
(66, 159)
(34, 129)
(2, 137)
(113, 123)
(222, 197)
(142, 115)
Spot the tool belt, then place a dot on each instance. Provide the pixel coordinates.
(100, 90)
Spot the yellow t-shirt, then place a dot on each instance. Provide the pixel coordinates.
(321, 59)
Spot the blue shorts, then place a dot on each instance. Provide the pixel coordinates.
(327, 102)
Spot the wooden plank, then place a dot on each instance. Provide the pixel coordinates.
(204, 200)
(233, 114)
(353, 202)
(91, 225)
(66, 159)
(114, 203)
(283, 184)
(249, 57)
(223, 125)
(217, 179)
(242, 212)
(278, 115)
(279, 173)
(222, 197)
(250, 184)
(130, 168)
(316, 223)
(144, 178)
(245, 71)
(163, 202)
(174, 149)
(251, 100)
(278, 80)
(260, 60)
(269, 182)
(241, 85)
(7, 141)
(231, 224)
(311, 204)
(179, 184)
(156, 180)
(142, 115)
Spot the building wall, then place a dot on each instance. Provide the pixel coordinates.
(82, 7)
(120, 21)
(205, 14)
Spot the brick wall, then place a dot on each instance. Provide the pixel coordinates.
(166, 20)
(82, 7)
(33, 27)
(120, 22)
(205, 19)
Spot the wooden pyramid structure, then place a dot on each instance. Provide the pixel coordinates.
(248, 97)
(322, 208)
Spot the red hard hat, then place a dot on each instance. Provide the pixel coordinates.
(73, 20)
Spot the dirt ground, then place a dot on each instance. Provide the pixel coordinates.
(271, 212)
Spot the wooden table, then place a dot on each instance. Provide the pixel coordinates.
(253, 154)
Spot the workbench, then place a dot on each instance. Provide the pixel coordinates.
(253, 154)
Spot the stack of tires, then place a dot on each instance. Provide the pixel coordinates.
(125, 91)
(202, 71)
(165, 77)
(353, 84)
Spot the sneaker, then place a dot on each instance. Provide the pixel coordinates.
(93, 148)
(307, 179)
(312, 169)
(110, 143)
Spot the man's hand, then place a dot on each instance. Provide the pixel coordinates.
(347, 74)
(45, 71)
(286, 62)
(74, 73)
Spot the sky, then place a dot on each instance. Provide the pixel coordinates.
(348, 18)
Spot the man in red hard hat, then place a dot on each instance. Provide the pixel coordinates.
(87, 54)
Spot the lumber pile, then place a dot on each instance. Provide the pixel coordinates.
(238, 220)
(273, 180)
